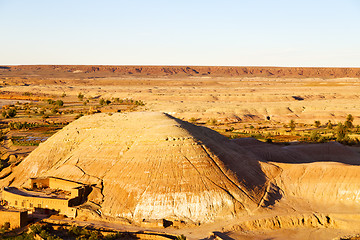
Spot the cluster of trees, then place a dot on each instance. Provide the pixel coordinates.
(9, 113)
(104, 102)
(21, 125)
(340, 133)
(59, 103)
(130, 101)
(343, 130)
(47, 232)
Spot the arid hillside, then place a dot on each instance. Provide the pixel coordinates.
(149, 166)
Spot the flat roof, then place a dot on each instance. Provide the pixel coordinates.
(61, 179)
(11, 210)
(25, 193)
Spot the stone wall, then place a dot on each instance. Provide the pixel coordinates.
(39, 183)
(66, 185)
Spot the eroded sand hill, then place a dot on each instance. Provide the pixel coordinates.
(153, 166)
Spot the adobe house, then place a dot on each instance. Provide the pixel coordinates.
(49, 194)
(16, 218)
(77, 190)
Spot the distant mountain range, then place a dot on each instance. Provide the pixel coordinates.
(181, 71)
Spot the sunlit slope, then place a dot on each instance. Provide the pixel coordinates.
(151, 166)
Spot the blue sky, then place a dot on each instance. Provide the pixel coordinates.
(170, 32)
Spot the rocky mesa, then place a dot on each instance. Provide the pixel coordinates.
(181, 71)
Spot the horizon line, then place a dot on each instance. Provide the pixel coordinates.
(172, 65)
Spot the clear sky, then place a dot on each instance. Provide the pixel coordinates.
(322, 33)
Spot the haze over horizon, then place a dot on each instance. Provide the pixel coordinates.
(202, 33)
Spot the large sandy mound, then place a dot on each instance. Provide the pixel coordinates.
(151, 166)
(154, 166)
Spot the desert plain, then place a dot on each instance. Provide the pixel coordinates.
(224, 93)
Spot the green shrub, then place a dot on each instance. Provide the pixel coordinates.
(50, 101)
(6, 226)
(315, 136)
(79, 116)
(20, 125)
(193, 120)
(36, 228)
(54, 110)
(139, 103)
(341, 132)
(2, 135)
(329, 125)
(80, 96)
(10, 113)
(181, 237)
(292, 125)
(357, 130)
(212, 121)
(59, 103)
(349, 121)
(76, 231)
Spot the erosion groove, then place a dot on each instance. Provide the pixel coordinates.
(312, 220)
